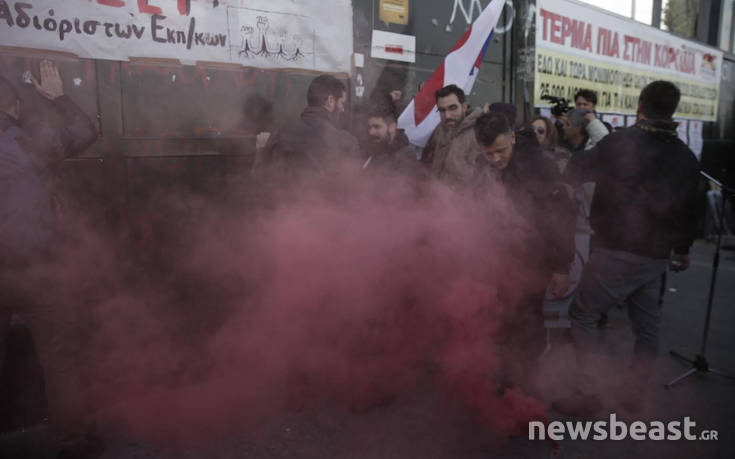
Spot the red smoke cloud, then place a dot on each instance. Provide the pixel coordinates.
(349, 290)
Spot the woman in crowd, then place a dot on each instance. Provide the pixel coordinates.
(548, 138)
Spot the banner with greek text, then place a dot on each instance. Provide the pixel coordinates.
(578, 46)
(309, 34)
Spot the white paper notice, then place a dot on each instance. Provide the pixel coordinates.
(616, 121)
(695, 138)
(682, 130)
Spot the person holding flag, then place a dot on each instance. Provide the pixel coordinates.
(442, 100)
(452, 149)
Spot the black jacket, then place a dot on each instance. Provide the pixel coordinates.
(646, 194)
(312, 143)
(397, 157)
(532, 182)
(29, 156)
(49, 141)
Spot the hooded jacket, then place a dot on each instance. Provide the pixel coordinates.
(646, 189)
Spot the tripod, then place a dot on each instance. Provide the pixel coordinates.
(700, 363)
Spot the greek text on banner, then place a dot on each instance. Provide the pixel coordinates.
(578, 46)
(312, 34)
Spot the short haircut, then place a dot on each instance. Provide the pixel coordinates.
(659, 100)
(578, 116)
(322, 87)
(384, 111)
(448, 91)
(509, 110)
(8, 94)
(489, 126)
(587, 94)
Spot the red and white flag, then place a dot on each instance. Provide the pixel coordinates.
(460, 67)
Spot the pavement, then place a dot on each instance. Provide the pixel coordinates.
(432, 422)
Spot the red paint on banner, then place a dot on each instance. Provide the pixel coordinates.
(144, 7)
(115, 3)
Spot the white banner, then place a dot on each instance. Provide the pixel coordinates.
(308, 34)
(579, 46)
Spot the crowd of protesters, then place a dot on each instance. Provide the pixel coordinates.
(632, 191)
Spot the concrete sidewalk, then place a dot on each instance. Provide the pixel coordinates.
(709, 400)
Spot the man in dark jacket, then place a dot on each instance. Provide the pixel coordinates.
(644, 215)
(31, 153)
(31, 148)
(531, 182)
(387, 147)
(313, 143)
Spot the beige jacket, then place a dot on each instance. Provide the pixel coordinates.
(452, 152)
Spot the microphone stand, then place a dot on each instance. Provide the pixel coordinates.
(700, 363)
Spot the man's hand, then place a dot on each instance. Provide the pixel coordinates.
(679, 262)
(590, 116)
(50, 86)
(559, 284)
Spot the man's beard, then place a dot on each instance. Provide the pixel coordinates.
(451, 123)
(379, 145)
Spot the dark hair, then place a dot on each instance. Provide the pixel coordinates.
(587, 95)
(449, 90)
(509, 110)
(552, 136)
(8, 94)
(384, 111)
(659, 100)
(489, 126)
(321, 88)
(258, 112)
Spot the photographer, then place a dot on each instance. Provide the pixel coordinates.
(580, 129)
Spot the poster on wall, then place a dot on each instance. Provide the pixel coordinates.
(695, 137)
(310, 34)
(579, 46)
(393, 46)
(616, 121)
(681, 130)
(394, 12)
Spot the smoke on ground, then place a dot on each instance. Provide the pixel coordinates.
(347, 290)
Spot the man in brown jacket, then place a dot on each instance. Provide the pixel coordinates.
(452, 149)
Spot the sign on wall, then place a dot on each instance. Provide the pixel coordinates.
(583, 47)
(393, 46)
(394, 11)
(309, 34)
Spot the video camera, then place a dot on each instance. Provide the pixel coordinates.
(559, 105)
